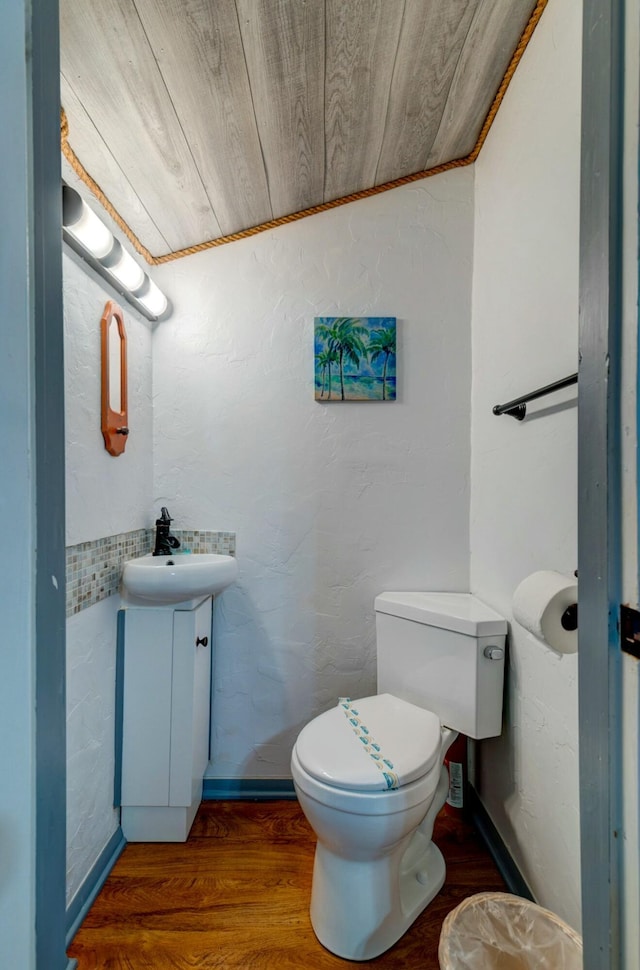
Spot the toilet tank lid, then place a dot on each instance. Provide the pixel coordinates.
(458, 612)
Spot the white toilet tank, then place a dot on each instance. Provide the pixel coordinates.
(443, 652)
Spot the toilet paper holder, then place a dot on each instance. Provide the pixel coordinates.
(630, 630)
(569, 618)
(546, 605)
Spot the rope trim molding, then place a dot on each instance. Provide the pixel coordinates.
(91, 184)
(82, 173)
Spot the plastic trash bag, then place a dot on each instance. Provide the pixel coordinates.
(497, 931)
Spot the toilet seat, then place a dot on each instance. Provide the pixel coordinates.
(370, 745)
(365, 803)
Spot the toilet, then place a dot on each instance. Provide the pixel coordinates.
(369, 773)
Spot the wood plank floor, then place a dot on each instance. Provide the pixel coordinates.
(235, 896)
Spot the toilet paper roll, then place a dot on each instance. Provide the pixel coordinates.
(540, 605)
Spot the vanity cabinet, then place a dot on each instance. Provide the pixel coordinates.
(165, 689)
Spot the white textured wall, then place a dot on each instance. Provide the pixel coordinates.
(332, 503)
(105, 495)
(523, 506)
(91, 817)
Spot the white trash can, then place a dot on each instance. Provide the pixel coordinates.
(498, 931)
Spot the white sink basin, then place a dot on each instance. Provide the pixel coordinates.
(161, 580)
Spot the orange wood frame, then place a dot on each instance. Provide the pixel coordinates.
(114, 423)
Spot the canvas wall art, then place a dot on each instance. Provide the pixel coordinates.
(355, 358)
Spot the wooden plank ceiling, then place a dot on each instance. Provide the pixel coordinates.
(203, 118)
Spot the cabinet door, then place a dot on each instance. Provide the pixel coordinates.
(146, 705)
(191, 703)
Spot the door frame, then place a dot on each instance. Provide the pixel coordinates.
(44, 338)
(599, 482)
(598, 468)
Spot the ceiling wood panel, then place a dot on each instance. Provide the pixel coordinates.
(284, 49)
(433, 34)
(202, 119)
(107, 60)
(361, 46)
(106, 171)
(205, 73)
(488, 49)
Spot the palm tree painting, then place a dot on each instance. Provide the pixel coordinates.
(382, 343)
(355, 358)
(324, 361)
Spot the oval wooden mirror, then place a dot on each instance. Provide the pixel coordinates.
(115, 426)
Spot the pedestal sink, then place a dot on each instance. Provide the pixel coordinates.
(183, 578)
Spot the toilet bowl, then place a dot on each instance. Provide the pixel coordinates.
(375, 867)
(369, 773)
(375, 849)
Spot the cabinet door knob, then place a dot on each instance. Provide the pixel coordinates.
(202, 641)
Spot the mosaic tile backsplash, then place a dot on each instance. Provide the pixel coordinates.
(94, 568)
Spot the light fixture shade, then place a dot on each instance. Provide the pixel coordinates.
(84, 225)
(125, 269)
(87, 235)
(153, 299)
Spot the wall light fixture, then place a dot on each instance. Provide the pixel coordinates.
(88, 236)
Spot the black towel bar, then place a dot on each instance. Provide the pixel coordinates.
(518, 407)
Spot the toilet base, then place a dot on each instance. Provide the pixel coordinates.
(361, 908)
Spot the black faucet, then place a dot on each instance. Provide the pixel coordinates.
(165, 542)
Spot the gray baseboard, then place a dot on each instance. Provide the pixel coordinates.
(249, 789)
(489, 834)
(83, 899)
